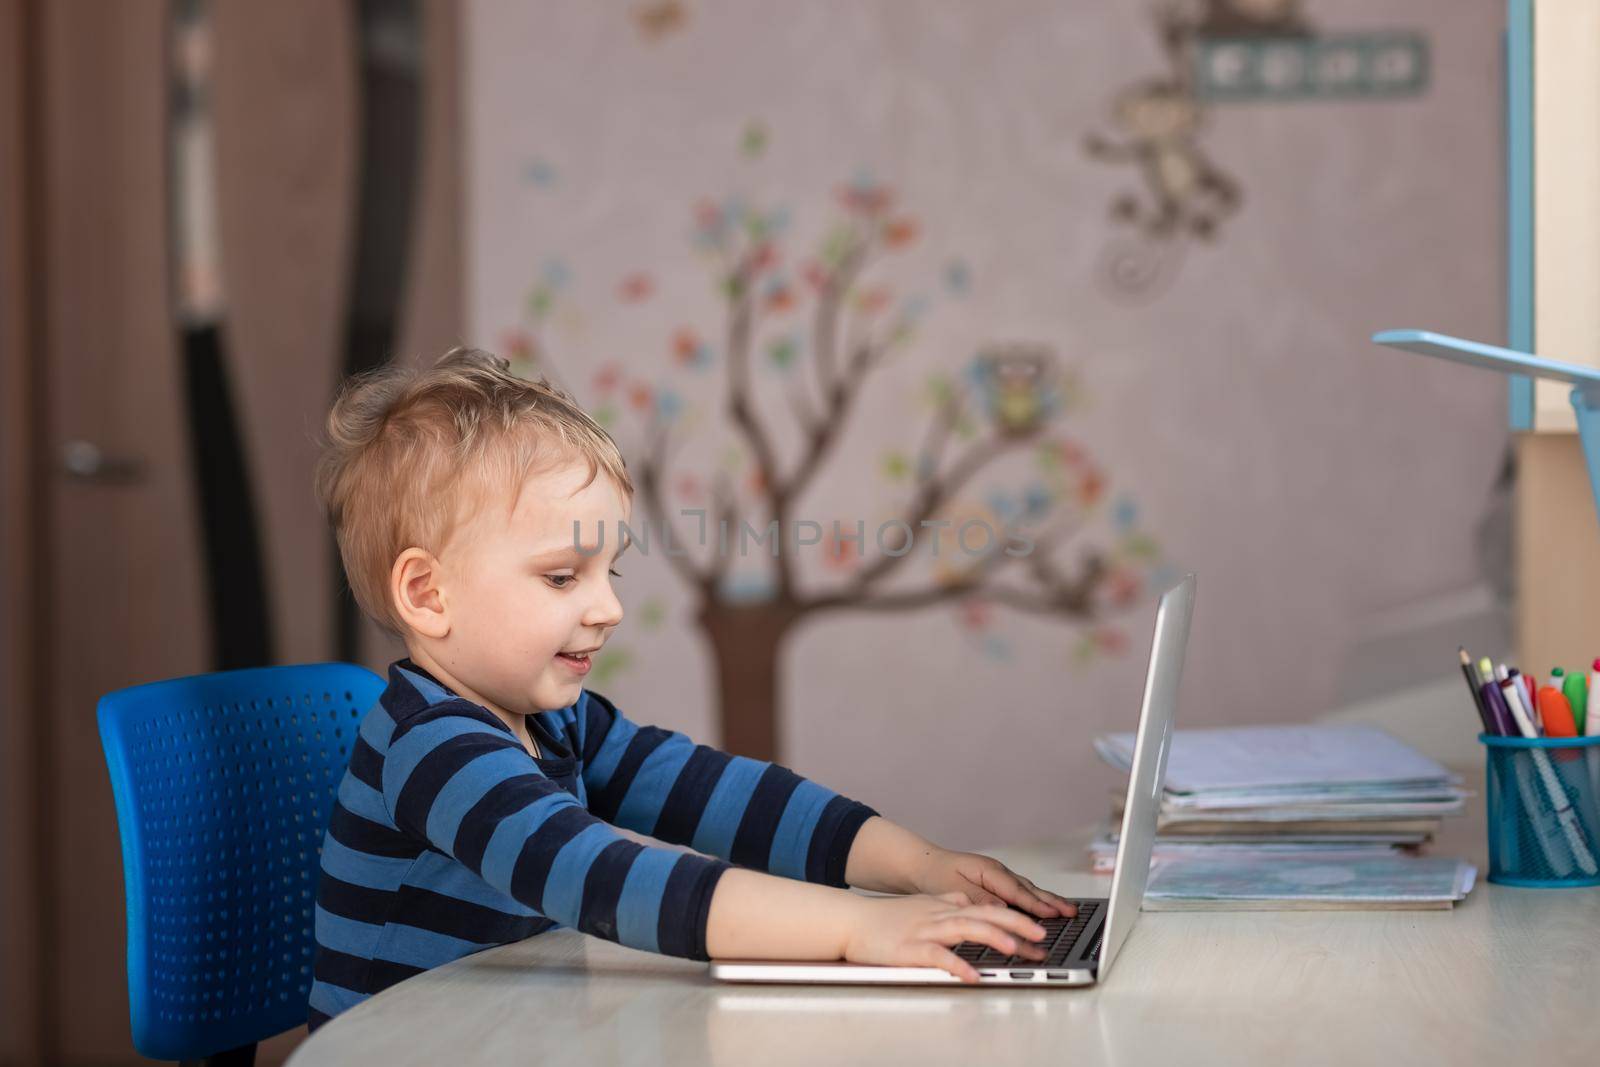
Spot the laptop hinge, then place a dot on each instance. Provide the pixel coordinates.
(1088, 939)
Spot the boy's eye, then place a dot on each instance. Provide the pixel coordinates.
(561, 581)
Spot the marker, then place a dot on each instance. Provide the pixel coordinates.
(1474, 686)
(1512, 691)
(1591, 727)
(1575, 687)
(1591, 718)
(1556, 714)
(1520, 682)
(1499, 714)
(1552, 786)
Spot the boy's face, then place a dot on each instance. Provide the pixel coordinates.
(520, 594)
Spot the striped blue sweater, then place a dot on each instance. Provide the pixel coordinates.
(448, 837)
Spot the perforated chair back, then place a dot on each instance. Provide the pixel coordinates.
(224, 784)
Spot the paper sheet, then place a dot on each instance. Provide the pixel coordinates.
(1396, 880)
(1283, 757)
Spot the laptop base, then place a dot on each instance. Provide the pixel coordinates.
(1079, 968)
(790, 972)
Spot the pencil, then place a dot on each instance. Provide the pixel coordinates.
(1470, 673)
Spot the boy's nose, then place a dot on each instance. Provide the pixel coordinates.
(605, 611)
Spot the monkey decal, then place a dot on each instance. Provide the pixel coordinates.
(1186, 192)
(1181, 192)
(1159, 121)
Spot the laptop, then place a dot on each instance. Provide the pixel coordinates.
(1082, 949)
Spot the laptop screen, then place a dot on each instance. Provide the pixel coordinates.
(1149, 769)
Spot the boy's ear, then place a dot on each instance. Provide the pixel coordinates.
(414, 583)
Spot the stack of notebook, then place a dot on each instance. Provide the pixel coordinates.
(1294, 816)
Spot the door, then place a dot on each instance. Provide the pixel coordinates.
(125, 599)
(127, 436)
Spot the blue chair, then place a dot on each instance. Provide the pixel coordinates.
(224, 784)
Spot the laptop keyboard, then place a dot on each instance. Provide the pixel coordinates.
(1060, 935)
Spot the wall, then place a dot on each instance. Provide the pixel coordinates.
(1247, 427)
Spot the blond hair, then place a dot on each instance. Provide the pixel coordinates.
(410, 452)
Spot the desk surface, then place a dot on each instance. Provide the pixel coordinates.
(1190, 988)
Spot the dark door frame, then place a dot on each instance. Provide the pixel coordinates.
(24, 627)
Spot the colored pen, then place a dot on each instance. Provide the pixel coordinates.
(1552, 785)
(1556, 714)
(1575, 687)
(1519, 682)
(1499, 714)
(1591, 718)
(1519, 713)
(1591, 727)
(1491, 697)
(1475, 687)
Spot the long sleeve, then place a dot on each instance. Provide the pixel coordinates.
(747, 811)
(467, 788)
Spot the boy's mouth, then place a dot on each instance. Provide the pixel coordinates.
(577, 661)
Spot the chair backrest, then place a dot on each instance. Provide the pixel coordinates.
(224, 784)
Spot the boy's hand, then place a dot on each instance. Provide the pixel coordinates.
(917, 931)
(982, 880)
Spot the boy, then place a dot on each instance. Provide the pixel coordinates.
(485, 787)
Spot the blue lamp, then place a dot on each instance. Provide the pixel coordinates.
(1584, 380)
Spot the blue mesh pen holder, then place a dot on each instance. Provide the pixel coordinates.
(1543, 810)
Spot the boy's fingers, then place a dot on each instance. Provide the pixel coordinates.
(956, 930)
(1006, 919)
(942, 958)
(956, 897)
(1066, 907)
(1041, 907)
(1010, 887)
(953, 931)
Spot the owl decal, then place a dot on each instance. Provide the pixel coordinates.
(1018, 386)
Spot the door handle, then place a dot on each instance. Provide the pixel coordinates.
(84, 461)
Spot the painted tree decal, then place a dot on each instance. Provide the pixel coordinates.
(827, 315)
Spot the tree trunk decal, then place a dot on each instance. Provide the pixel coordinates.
(745, 639)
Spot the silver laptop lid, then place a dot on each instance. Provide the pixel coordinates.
(1149, 767)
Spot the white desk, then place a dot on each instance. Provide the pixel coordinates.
(1503, 980)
